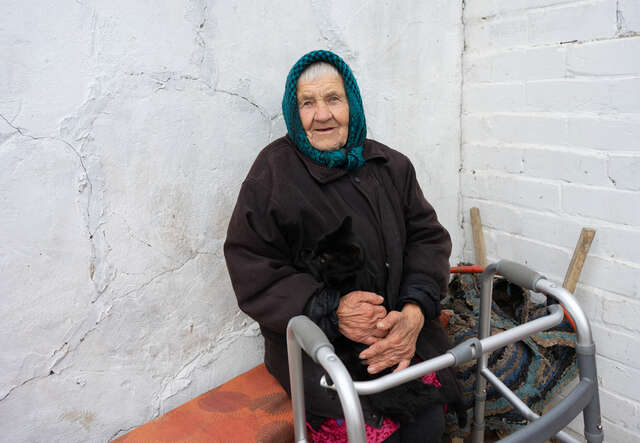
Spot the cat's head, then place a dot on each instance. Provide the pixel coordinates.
(336, 257)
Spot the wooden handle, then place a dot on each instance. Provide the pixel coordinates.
(478, 238)
(577, 261)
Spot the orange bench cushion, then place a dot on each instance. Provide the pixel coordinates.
(252, 407)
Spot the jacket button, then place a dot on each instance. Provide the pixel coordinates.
(356, 179)
(386, 264)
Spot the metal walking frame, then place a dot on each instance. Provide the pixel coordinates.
(303, 333)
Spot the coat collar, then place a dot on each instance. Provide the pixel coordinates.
(323, 175)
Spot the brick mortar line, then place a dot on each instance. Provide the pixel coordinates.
(526, 175)
(479, 54)
(589, 220)
(580, 78)
(521, 47)
(542, 180)
(620, 426)
(587, 152)
(583, 220)
(610, 392)
(610, 295)
(509, 15)
(615, 362)
(611, 328)
(558, 115)
(568, 250)
(558, 278)
(499, 173)
(579, 151)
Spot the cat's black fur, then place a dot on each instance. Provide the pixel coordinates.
(339, 261)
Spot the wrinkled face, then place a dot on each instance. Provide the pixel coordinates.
(324, 111)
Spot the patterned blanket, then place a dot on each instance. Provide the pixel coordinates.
(534, 368)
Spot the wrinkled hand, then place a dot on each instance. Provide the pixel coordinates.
(399, 346)
(358, 314)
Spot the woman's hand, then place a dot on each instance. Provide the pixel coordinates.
(399, 345)
(359, 312)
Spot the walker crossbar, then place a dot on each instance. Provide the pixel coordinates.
(302, 332)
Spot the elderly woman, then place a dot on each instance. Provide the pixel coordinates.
(300, 189)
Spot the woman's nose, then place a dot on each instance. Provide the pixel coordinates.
(322, 112)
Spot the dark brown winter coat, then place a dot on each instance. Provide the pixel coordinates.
(288, 202)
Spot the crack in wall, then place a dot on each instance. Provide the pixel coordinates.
(10, 123)
(122, 431)
(200, 40)
(86, 187)
(248, 100)
(227, 336)
(160, 274)
(619, 17)
(23, 383)
(202, 56)
(328, 31)
(89, 184)
(170, 77)
(81, 340)
(81, 124)
(134, 236)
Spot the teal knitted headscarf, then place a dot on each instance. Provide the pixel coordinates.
(350, 155)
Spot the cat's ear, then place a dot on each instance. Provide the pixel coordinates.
(336, 237)
(347, 223)
(344, 230)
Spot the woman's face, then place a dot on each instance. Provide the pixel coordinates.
(324, 111)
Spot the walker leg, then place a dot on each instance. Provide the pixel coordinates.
(484, 330)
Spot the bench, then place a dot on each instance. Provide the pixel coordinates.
(251, 407)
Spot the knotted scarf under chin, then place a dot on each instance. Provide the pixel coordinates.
(350, 155)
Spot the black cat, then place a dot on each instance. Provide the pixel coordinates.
(339, 261)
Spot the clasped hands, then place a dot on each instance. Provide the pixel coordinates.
(391, 336)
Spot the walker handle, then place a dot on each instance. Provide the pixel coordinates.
(518, 274)
(309, 335)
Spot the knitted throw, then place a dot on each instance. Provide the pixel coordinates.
(350, 155)
(535, 368)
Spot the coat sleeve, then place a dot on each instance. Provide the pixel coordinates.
(268, 287)
(427, 251)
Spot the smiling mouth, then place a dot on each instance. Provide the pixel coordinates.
(324, 130)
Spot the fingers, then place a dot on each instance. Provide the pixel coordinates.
(379, 312)
(370, 340)
(390, 320)
(382, 348)
(372, 350)
(365, 297)
(402, 365)
(381, 365)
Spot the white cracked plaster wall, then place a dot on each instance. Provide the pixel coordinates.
(126, 129)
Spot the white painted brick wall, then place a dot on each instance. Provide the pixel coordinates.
(551, 144)
(629, 16)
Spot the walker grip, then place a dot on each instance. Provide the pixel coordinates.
(518, 274)
(309, 335)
